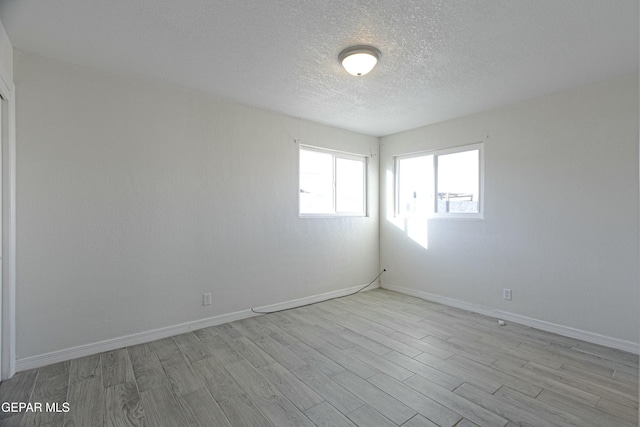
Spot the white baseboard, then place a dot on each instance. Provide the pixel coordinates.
(38, 361)
(566, 331)
(125, 341)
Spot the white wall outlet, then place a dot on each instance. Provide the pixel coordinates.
(506, 294)
(206, 299)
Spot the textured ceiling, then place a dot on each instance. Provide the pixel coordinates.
(440, 58)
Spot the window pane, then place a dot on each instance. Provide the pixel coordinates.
(415, 186)
(458, 182)
(349, 185)
(316, 182)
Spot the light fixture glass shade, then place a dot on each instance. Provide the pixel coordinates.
(359, 60)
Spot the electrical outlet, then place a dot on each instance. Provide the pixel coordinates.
(506, 294)
(206, 299)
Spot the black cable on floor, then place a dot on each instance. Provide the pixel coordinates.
(328, 299)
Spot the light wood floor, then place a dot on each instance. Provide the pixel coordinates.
(374, 359)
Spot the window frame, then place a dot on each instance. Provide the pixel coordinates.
(336, 154)
(435, 153)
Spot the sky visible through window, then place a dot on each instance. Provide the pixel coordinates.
(458, 182)
(458, 173)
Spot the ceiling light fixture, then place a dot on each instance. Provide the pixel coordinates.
(359, 60)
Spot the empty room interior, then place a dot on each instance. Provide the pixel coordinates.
(332, 213)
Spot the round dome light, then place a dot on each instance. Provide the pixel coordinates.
(359, 60)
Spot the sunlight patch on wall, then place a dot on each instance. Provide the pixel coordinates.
(413, 224)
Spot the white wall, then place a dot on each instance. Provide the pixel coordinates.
(561, 213)
(136, 198)
(6, 55)
(7, 304)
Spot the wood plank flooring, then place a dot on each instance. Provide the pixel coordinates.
(377, 358)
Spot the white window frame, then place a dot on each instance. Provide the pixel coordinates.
(435, 153)
(337, 155)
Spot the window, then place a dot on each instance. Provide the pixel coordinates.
(440, 183)
(332, 183)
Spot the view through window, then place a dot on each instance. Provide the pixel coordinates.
(440, 183)
(332, 183)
